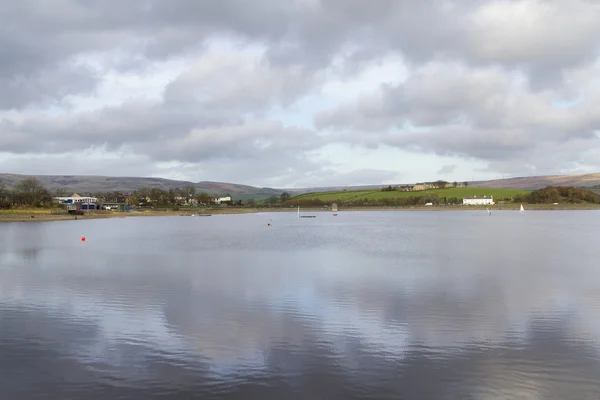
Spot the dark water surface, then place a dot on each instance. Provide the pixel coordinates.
(398, 305)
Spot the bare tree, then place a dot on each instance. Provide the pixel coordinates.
(60, 192)
(4, 200)
(30, 191)
(189, 192)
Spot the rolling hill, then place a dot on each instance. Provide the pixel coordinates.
(95, 184)
(539, 182)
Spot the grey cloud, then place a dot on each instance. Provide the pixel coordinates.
(464, 141)
(113, 127)
(435, 94)
(254, 140)
(575, 156)
(85, 163)
(164, 133)
(447, 169)
(539, 38)
(46, 87)
(216, 109)
(483, 76)
(484, 113)
(328, 177)
(37, 37)
(188, 127)
(238, 82)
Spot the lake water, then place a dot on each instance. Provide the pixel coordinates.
(365, 305)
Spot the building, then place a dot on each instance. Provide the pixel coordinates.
(478, 201)
(432, 185)
(186, 201)
(77, 202)
(220, 200)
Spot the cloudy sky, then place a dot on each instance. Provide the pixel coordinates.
(301, 92)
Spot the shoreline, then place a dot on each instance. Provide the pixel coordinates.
(35, 215)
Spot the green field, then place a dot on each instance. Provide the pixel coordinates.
(351, 195)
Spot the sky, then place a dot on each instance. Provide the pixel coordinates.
(300, 93)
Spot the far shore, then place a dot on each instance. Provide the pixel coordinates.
(43, 215)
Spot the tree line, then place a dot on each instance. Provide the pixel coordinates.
(370, 202)
(146, 196)
(32, 193)
(28, 192)
(559, 194)
(439, 184)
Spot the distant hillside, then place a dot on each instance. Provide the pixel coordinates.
(297, 191)
(538, 182)
(370, 196)
(95, 184)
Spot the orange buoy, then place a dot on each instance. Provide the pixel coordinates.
(83, 238)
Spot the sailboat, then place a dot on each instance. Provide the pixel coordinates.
(522, 209)
(334, 209)
(489, 211)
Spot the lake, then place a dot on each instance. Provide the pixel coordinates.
(365, 305)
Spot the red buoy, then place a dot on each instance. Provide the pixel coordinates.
(83, 238)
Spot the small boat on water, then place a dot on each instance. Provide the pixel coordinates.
(194, 215)
(305, 216)
(334, 209)
(522, 209)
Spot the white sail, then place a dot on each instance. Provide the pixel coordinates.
(522, 209)
(334, 207)
(489, 212)
(298, 211)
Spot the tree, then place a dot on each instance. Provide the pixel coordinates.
(60, 192)
(250, 202)
(159, 196)
(285, 196)
(133, 199)
(272, 200)
(189, 192)
(4, 196)
(465, 184)
(203, 198)
(30, 191)
(143, 195)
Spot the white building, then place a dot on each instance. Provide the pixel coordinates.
(77, 202)
(75, 198)
(478, 201)
(219, 200)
